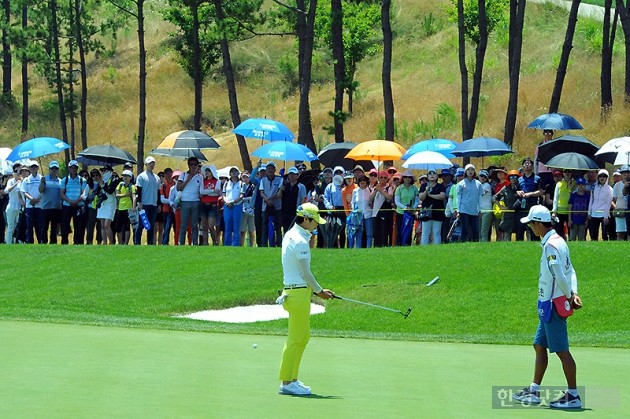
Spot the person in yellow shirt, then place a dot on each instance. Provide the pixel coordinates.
(125, 191)
(561, 196)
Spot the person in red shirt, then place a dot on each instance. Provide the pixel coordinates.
(168, 216)
(210, 193)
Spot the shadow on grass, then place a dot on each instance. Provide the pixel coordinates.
(313, 396)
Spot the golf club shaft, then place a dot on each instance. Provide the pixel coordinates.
(368, 304)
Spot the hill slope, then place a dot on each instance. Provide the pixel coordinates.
(425, 77)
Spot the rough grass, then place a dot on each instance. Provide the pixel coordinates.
(425, 75)
(486, 293)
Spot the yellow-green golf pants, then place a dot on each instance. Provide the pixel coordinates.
(298, 304)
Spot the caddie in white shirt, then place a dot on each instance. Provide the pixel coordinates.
(556, 279)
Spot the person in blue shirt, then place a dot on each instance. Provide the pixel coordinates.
(469, 193)
(50, 188)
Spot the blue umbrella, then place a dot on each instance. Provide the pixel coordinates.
(480, 147)
(37, 147)
(264, 129)
(285, 151)
(555, 121)
(438, 145)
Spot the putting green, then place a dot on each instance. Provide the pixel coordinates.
(58, 370)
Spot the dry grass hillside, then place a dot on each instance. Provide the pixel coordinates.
(425, 76)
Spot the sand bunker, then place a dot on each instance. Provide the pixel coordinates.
(248, 314)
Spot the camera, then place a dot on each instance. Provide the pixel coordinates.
(102, 196)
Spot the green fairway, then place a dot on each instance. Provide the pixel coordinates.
(54, 370)
(486, 292)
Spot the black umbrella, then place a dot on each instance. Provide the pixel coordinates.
(335, 155)
(566, 144)
(106, 154)
(188, 139)
(573, 161)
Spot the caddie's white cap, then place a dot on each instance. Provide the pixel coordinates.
(149, 159)
(537, 213)
(127, 173)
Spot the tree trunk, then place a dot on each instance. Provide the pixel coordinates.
(71, 98)
(58, 79)
(306, 30)
(606, 65)
(142, 60)
(7, 95)
(197, 77)
(388, 97)
(463, 69)
(564, 58)
(83, 72)
(336, 9)
(25, 83)
(517, 18)
(480, 56)
(624, 15)
(231, 86)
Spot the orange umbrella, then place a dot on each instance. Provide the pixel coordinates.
(376, 150)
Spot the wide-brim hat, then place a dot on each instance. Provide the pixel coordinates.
(409, 173)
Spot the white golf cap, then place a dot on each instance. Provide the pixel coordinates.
(293, 170)
(469, 166)
(537, 213)
(603, 172)
(127, 173)
(72, 163)
(53, 163)
(149, 159)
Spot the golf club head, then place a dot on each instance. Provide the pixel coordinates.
(407, 313)
(433, 281)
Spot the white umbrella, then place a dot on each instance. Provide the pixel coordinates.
(5, 166)
(613, 150)
(623, 155)
(427, 160)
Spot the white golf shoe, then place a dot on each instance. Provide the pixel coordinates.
(526, 396)
(294, 389)
(567, 401)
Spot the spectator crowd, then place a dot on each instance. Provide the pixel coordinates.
(374, 208)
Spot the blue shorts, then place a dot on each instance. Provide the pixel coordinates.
(553, 334)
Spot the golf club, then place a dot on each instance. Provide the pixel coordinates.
(405, 314)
